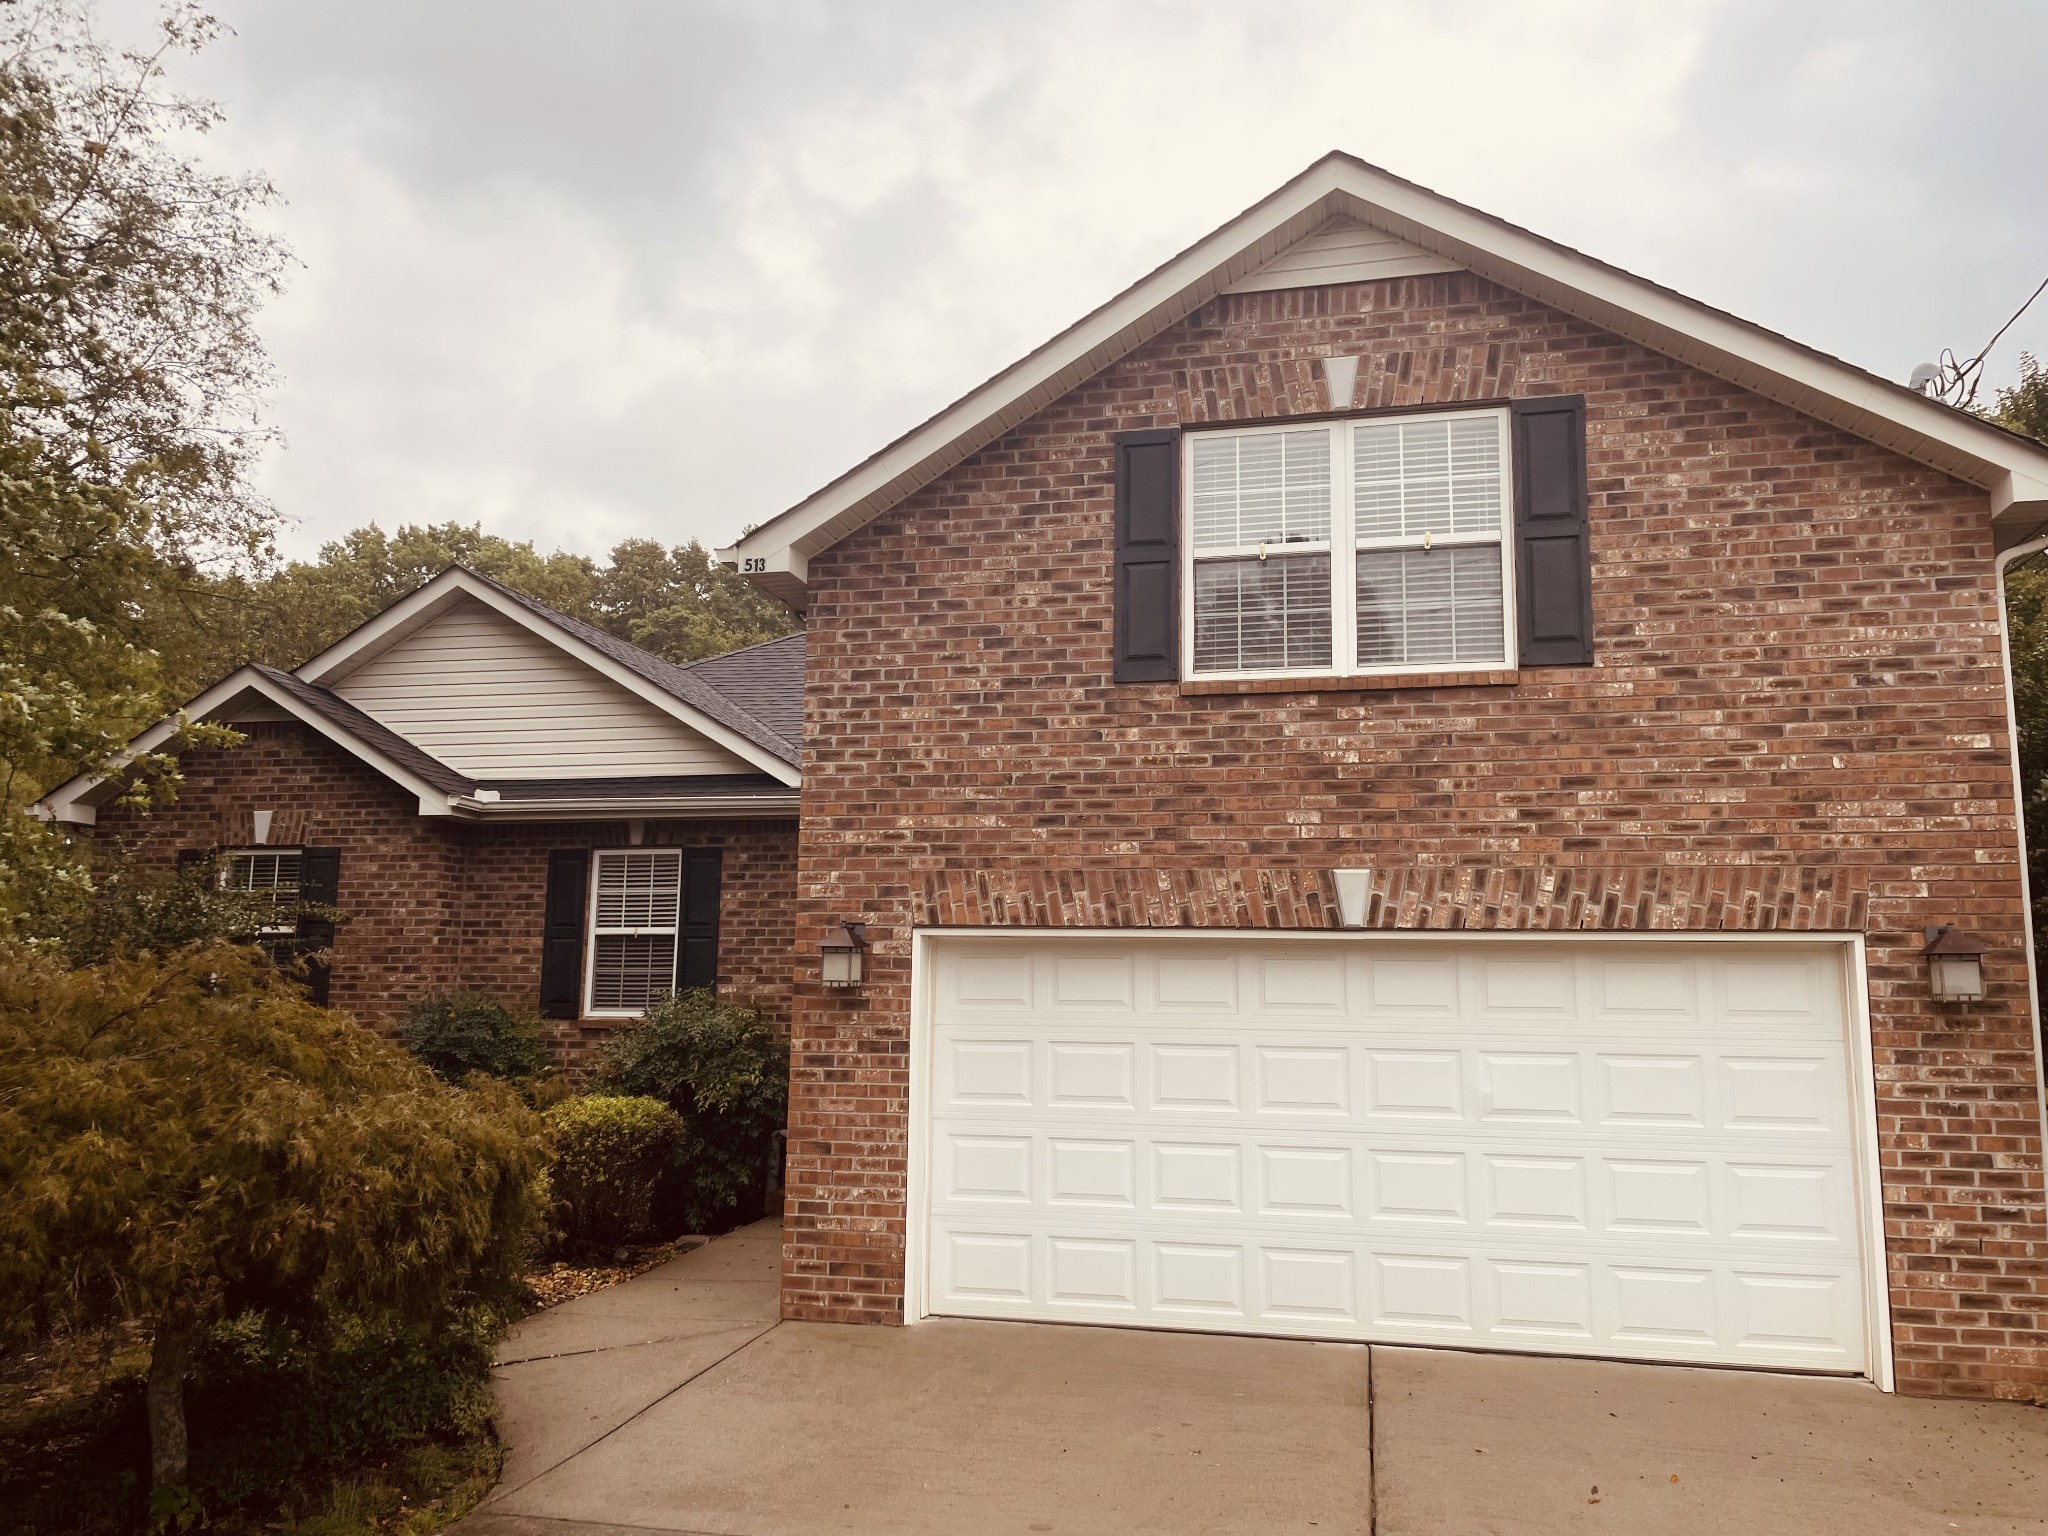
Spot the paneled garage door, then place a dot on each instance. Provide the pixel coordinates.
(1628, 1149)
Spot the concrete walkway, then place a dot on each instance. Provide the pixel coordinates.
(675, 1403)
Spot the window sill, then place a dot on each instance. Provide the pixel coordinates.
(1488, 677)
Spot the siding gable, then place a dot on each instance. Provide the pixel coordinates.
(1342, 251)
(494, 700)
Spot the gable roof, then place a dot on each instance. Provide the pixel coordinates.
(671, 688)
(753, 696)
(2012, 469)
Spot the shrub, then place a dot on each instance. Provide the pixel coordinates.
(726, 1073)
(609, 1153)
(185, 1140)
(467, 1032)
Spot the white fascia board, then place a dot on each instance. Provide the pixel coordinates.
(668, 808)
(1939, 436)
(67, 802)
(411, 612)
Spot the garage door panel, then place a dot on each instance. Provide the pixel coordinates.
(1646, 1154)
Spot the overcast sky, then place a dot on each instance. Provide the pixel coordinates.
(663, 267)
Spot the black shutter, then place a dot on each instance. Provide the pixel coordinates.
(190, 859)
(697, 965)
(1147, 636)
(1553, 533)
(561, 937)
(320, 882)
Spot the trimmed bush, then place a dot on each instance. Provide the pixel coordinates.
(726, 1073)
(610, 1152)
(467, 1032)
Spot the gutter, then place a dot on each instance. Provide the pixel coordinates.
(599, 809)
(2012, 721)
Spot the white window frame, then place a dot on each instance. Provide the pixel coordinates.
(1344, 548)
(228, 858)
(590, 932)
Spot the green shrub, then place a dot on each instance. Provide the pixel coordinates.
(726, 1073)
(467, 1032)
(610, 1152)
(271, 1402)
(185, 1140)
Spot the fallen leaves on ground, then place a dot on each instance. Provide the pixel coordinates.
(565, 1282)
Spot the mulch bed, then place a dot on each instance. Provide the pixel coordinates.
(565, 1282)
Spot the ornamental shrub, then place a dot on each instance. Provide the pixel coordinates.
(610, 1151)
(184, 1140)
(721, 1068)
(465, 1032)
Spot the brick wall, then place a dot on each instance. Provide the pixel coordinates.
(437, 904)
(1796, 721)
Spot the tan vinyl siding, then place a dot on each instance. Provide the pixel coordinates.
(1342, 251)
(489, 698)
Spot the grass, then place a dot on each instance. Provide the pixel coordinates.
(73, 1453)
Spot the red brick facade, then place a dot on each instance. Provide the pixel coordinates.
(1796, 721)
(436, 904)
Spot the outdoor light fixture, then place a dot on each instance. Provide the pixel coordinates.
(844, 952)
(1955, 965)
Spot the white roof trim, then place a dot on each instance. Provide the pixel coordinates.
(2012, 469)
(68, 802)
(415, 610)
(666, 807)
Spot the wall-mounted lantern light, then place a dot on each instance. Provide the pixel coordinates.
(1955, 965)
(843, 953)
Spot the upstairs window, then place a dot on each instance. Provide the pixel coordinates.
(1363, 546)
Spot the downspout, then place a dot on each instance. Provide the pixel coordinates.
(2019, 809)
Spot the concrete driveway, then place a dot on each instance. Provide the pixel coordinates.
(676, 1403)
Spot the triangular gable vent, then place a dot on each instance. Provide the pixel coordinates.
(1342, 251)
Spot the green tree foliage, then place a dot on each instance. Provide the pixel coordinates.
(726, 1072)
(465, 1032)
(129, 375)
(609, 1154)
(675, 602)
(2024, 408)
(185, 1140)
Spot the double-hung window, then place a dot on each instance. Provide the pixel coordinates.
(260, 872)
(1377, 545)
(653, 926)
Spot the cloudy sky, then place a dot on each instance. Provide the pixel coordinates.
(663, 267)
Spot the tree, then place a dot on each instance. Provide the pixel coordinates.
(129, 377)
(2024, 408)
(673, 601)
(185, 1139)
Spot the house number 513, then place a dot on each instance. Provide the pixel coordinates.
(754, 563)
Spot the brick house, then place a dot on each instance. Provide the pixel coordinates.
(1397, 779)
(504, 799)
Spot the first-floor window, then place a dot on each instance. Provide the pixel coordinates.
(265, 872)
(1372, 545)
(653, 926)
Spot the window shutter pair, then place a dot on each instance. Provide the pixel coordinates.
(1553, 543)
(565, 915)
(319, 882)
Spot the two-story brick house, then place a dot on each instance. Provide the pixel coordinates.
(1398, 779)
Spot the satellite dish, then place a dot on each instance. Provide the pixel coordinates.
(1925, 377)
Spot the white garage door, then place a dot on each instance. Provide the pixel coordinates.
(1628, 1149)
